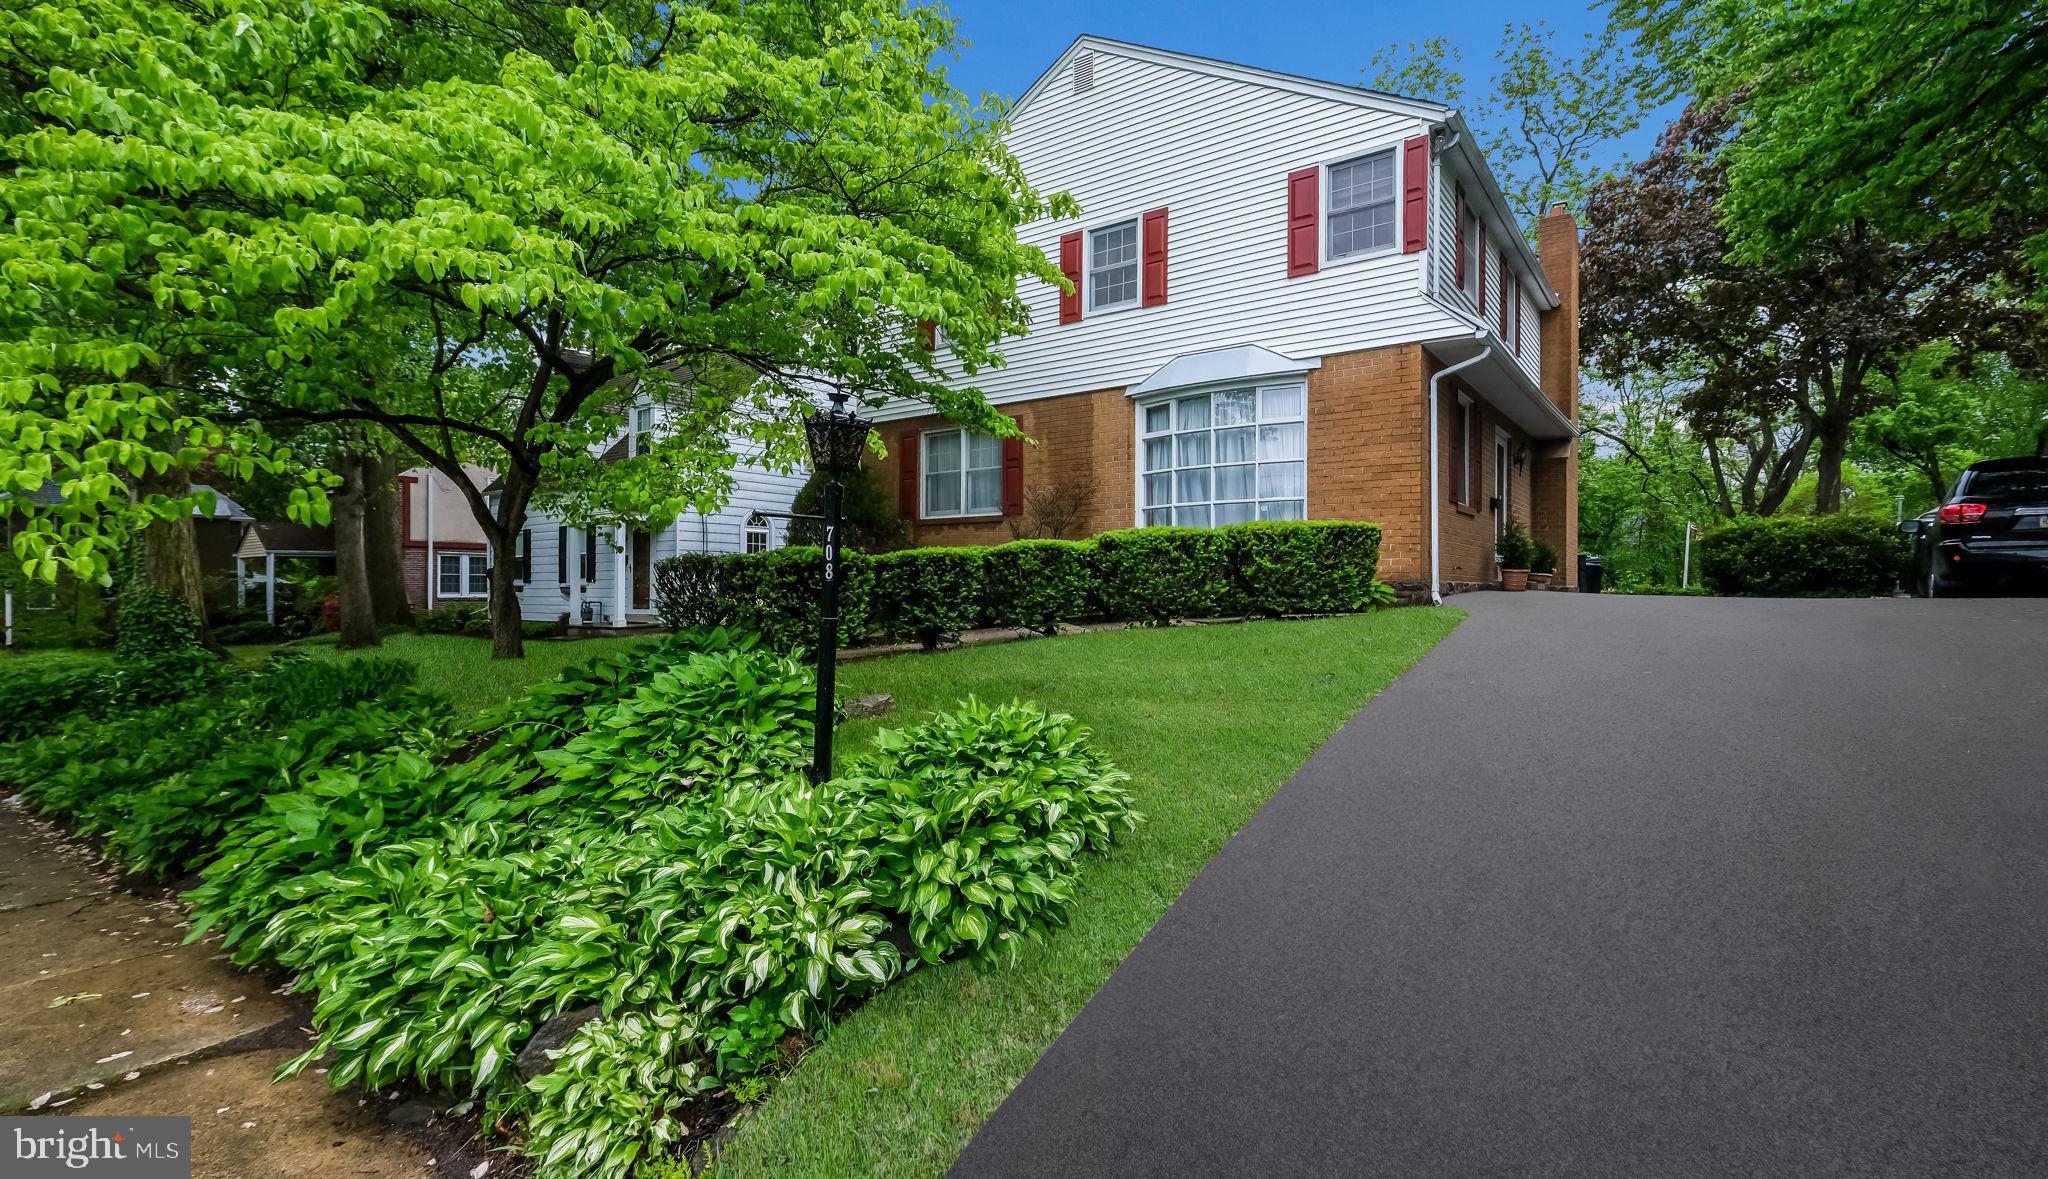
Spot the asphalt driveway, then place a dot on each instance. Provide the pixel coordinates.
(1609, 886)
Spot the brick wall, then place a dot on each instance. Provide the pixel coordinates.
(416, 575)
(1556, 490)
(1365, 450)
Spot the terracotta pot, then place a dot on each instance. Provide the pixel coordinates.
(1514, 580)
(1539, 581)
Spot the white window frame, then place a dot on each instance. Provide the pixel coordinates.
(1137, 265)
(1475, 250)
(471, 566)
(1465, 497)
(643, 426)
(924, 508)
(750, 532)
(1140, 435)
(1324, 193)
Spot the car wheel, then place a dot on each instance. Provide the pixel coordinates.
(1937, 586)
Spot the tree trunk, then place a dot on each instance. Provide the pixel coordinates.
(170, 550)
(384, 541)
(508, 630)
(351, 565)
(1834, 448)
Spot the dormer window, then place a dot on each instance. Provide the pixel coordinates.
(1113, 266)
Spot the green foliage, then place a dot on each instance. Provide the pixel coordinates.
(928, 593)
(1514, 547)
(625, 1072)
(456, 618)
(1796, 556)
(1157, 574)
(1039, 583)
(984, 813)
(36, 697)
(1549, 115)
(1306, 566)
(871, 523)
(157, 655)
(772, 594)
(1542, 558)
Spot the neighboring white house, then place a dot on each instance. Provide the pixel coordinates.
(605, 577)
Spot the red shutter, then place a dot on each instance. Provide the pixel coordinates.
(1154, 281)
(906, 474)
(1481, 227)
(1503, 298)
(928, 335)
(1070, 265)
(1303, 206)
(1460, 427)
(1415, 194)
(1013, 476)
(1461, 237)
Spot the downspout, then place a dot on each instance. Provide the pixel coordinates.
(1436, 189)
(433, 570)
(1436, 585)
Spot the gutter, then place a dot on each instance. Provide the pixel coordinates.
(1436, 585)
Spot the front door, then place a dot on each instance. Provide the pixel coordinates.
(643, 570)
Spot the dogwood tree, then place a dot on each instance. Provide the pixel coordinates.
(725, 206)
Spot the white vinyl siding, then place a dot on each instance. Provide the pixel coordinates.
(1218, 152)
(1360, 206)
(1224, 457)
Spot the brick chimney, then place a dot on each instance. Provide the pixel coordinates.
(1557, 245)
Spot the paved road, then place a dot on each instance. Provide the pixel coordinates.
(1609, 886)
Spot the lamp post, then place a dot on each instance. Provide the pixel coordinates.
(836, 438)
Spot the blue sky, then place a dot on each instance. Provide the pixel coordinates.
(1011, 42)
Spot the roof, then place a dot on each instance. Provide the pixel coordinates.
(224, 507)
(1244, 362)
(1460, 140)
(263, 538)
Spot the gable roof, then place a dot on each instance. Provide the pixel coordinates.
(1457, 138)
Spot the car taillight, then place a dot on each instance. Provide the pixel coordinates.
(1962, 513)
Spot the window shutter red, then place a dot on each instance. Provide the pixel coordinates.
(1460, 427)
(906, 474)
(1013, 476)
(1070, 265)
(1415, 194)
(1155, 259)
(928, 335)
(1481, 227)
(1461, 237)
(1503, 298)
(1303, 230)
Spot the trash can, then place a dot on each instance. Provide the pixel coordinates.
(1591, 569)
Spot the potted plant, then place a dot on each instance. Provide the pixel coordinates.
(1542, 564)
(1514, 549)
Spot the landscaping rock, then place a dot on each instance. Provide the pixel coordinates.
(552, 1036)
(879, 704)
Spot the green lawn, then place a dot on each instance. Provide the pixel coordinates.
(462, 667)
(1209, 721)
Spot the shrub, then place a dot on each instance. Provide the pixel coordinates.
(772, 594)
(927, 593)
(36, 697)
(157, 656)
(1305, 566)
(458, 618)
(871, 522)
(1793, 556)
(1542, 558)
(1158, 574)
(1039, 583)
(1514, 547)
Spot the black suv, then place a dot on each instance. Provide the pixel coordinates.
(1993, 531)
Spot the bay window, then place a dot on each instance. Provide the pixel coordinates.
(963, 474)
(1227, 457)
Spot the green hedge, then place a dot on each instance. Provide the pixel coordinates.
(1306, 567)
(772, 594)
(1039, 583)
(1803, 556)
(926, 593)
(1135, 575)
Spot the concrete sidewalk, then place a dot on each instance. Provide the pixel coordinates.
(1608, 886)
(107, 1013)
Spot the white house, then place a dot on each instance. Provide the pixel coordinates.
(605, 577)
(1293, 299)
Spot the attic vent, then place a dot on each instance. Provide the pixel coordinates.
(1083, 72)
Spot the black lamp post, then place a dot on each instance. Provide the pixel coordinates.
(836, 436)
